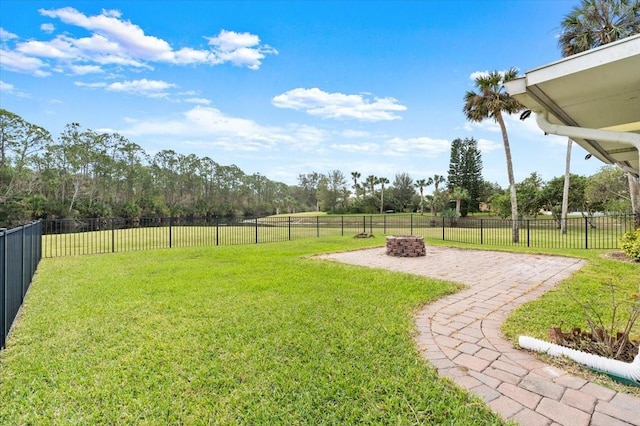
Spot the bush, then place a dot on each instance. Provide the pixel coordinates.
(630, 244)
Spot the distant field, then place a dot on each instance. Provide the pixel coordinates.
(483, 231)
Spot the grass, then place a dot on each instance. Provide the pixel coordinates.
(257, 334)
(542, 234)
(590, 286)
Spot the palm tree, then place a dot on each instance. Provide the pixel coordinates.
(459, 194)
(595, 23)
(356, 185)
(591, 24)
(436, 181)
(372, 181)
(421, 184)
(491, 101)
(382, 181)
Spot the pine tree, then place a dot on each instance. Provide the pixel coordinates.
(465, 171)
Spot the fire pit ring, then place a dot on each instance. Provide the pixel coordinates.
(406, 246)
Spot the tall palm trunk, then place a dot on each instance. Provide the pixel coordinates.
(634, 189)
(512, 183)
(565, 189)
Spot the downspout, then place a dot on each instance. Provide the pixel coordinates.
(627, 138)
(626, 372)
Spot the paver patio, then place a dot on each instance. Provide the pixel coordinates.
(460, 335)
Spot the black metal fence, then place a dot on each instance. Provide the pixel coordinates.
(22, 248)
(92, 236)
(20, 253)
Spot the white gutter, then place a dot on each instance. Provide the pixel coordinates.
(627, 138)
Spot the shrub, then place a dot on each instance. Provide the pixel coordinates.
(630, 244)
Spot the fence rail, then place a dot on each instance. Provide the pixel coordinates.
(67, 237)
(20, 253)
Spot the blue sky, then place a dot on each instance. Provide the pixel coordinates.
(284, 88)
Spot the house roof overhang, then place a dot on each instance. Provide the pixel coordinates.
(597, 89)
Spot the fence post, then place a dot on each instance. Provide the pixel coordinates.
(289, 220)
(481, 233)
(364, 224)
(384, 225)
(217, 231)
(342, 226)
(170, 231)
(528, 233)
(586, 232)
(318, 226)
(113, 236)
(3, 281)
(23, 275)
(442, 228)
(38, 244)
(411, 224)
(256, 222)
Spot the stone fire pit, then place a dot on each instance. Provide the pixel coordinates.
(405, 246)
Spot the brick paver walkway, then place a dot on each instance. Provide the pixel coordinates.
(460, 335)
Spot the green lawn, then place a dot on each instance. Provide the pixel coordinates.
(591, 287)
(253, 334)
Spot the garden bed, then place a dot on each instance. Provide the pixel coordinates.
(624, 349)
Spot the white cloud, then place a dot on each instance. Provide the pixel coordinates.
(339, 105)
(131, 38)
(200, 101)
(85, 69)
(355, 134)
(187, 55)
(15, 61)
(357, 148)
(488, 125)
(486, 145)
(417, 147)
(118, 42)
(229, 40)
(6, 87)
(476, 74)
(208, 126)
(144, 87)
(11, 89)
(305, 136)
(90, 85)
(6, 35)
(241, 49)
(58, 48)
(48, 28)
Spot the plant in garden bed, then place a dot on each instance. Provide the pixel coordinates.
(630, 244)
(610, 333)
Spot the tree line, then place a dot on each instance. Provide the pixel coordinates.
(85, 174)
